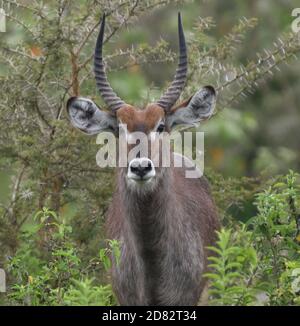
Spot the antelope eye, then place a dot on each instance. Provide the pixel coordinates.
(161, 127)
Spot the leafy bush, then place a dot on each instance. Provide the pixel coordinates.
(258, 262)
(59, 278)
(234, 264)
(83, 293)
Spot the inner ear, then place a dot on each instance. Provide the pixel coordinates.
(199, 107)
(86, 116)
(203, 102)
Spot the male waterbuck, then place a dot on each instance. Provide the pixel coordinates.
(162, 220)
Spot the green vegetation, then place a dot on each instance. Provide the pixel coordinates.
(60, 277)
(258, 262)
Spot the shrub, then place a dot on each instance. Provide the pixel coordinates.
(258, 262)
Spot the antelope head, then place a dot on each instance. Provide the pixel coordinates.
(161, 116)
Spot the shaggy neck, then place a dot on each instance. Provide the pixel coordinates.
(148, 210)
(148, 218)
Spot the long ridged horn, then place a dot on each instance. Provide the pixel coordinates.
(109, 96)
(174, 90)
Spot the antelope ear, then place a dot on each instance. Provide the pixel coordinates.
(85, 115)
(199, 107)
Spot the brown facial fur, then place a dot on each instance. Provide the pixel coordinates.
(140, 120)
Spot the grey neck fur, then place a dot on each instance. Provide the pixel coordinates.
(160, 247)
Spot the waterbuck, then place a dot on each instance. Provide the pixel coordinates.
(162, 220)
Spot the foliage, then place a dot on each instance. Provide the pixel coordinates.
(233, 265)
(258, 262)
(60, 278)
(83, 293)
(112, 252)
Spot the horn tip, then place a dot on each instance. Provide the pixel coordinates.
(102, 27)
(180, 27)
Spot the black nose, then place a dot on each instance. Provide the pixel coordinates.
(141, 169)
